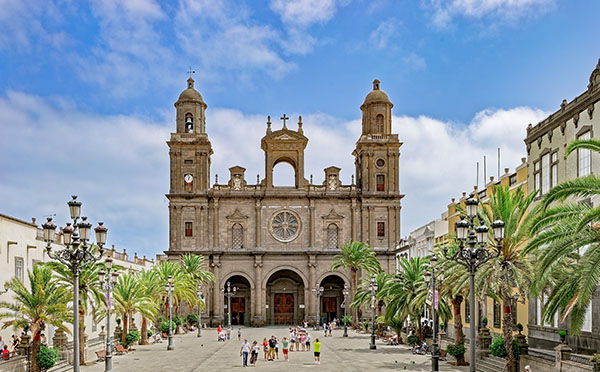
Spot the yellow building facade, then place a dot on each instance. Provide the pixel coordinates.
(492, 309)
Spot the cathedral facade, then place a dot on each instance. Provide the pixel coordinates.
(274, 244)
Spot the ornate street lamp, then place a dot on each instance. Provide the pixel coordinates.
(472, 253)
(108, 281)
(345, 292)
(373, 288)
(229, 293)
(200, 299)
(318, 291)
(76, 256)
(170, 287)
(430, 278)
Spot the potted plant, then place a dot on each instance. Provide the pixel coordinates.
(563, 336)
(519, 327)
(595, 360)
(47, 357)
(484, 322)
(457, 351)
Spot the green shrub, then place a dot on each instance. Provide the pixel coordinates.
(347, 319)
(412, 339)
(47, 357)
(497, 347)
(456, 351)
(191, 318)
(595, 358)
(150, 333)
(118, 320)
(178, 320)
(562, 333)
(131, 338)
(164, 326)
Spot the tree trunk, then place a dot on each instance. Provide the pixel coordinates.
(144, 335)
(507, 330)
(354, 288)
(419, 328)
(125, 323)
(35, 345)
(459, 336)
(81, 337)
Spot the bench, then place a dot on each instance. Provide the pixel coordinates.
(101, 354)
(121, 349)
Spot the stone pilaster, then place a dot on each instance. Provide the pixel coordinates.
(259, 292)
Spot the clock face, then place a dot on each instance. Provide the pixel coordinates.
(188, 178)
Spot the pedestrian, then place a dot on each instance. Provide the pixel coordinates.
(15, 344)
(307, 341)
(255, 351)
(44, 340)
(5, 353)
(285, 345)
(245, 349)
(324, 329)
(317, 351)
(330, 328)
(228, 333)
(303, 340)
(219, 329)
(1, 343)
(527, 369)
(265, 347)
(239, 334)
(291, 339)
(276, 347)
(271, 353)
(297, 340)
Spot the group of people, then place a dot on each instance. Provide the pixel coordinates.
(7, 350)
(298, 339)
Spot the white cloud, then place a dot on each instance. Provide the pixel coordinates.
(380, 37)
(444, 11)
(415, 62)
(119, 165)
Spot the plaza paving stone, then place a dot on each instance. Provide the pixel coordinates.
(193, 354)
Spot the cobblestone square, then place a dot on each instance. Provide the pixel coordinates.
(193, 354)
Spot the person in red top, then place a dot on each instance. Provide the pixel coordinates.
(219, 329)
(5, 353)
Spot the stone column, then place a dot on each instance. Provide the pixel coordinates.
(370, 226)
(258, 242)
(353, 221)
(311, 209)
(391, 228)
(216, 223)
(217, 296)
(312, 283)
(259, 298)
(205, 227)
(198, 226)
(59, 341)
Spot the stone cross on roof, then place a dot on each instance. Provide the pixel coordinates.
(284, 118)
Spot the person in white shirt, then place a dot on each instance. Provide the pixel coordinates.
(244, 351)
(1, 343)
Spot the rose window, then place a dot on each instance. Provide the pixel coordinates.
(285, 226)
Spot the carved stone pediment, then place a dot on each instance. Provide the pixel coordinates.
(237, 215)
(332, 215)
(284, 137)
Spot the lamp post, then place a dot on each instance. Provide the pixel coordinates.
(76, 255)
(472, 253)
(108, 281)
(200, 299)
(373, 288)
(5, 289)
(229, 293)
(430, 278)
(318, 291)
(170, 287)
(345, 292)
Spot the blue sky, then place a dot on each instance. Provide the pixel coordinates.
(87, 91)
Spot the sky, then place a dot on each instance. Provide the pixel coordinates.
(87, 92)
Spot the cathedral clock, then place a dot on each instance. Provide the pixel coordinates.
(188, 181)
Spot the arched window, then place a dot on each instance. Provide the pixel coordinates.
(332, 236)
(379, 124)
(189, 123)
(237, 235)
(380, 182)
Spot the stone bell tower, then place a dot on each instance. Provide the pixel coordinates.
(377, 149)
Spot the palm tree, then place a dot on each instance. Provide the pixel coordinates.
(91, 295)
(406, 292)
(184, 284)
(567, 234)
(45, 302)
(196, 266)
(512, 270)
(130, 298)
(150, 281)
(356, 256)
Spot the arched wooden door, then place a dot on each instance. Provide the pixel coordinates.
(283, 308)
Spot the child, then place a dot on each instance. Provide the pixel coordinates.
(317, 344)
(285, 346)
(5, 353)
(239, 334)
